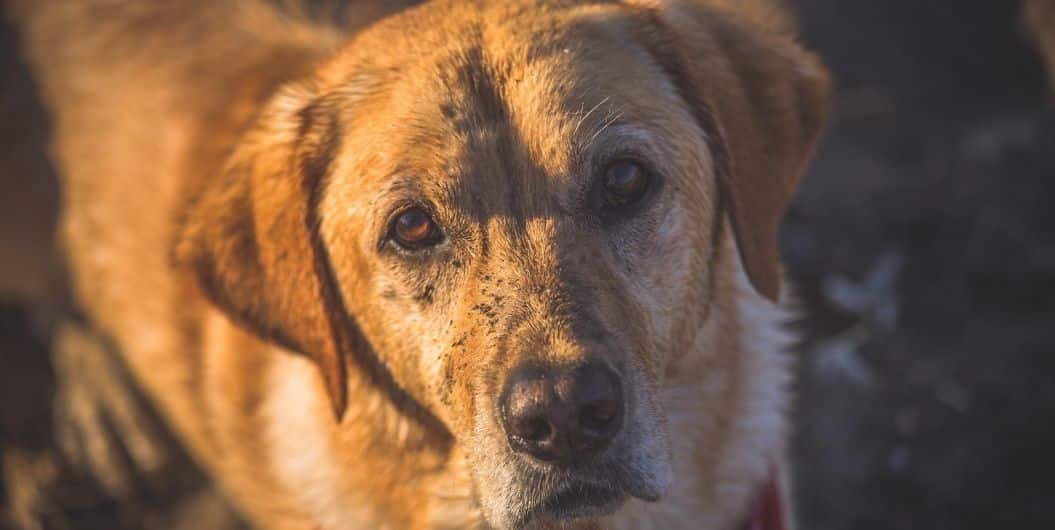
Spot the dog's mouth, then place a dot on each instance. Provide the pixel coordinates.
(575, 501)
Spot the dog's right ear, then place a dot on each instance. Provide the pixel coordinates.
(251, 236)
(761, 100)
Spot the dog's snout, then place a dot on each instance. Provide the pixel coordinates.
(562, 416)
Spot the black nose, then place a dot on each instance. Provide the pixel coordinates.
(562, 415)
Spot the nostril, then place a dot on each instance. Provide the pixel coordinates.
(598, 416)
(535, 430)
(597, 393)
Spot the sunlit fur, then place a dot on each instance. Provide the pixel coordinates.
(230, 173)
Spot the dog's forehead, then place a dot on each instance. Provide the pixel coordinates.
(517, 101)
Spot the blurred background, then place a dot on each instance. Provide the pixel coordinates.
(923, 245)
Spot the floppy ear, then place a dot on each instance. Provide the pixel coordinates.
(251, 236)
(762, 101)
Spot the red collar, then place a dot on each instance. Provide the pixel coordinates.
(769, 510)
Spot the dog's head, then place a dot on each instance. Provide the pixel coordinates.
(509, 214)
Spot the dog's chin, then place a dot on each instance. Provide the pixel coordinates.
(535, 498)
(573, 502)
(566, 502)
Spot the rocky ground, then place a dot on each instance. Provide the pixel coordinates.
(923, 244)
(924, 241)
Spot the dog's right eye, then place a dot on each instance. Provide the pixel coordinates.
(625, 182)
(414, 229)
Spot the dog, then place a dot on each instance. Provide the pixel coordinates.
(465, 265)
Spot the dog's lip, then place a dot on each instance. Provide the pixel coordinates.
(577, 500)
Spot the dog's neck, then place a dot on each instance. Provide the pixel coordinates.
(726, 400)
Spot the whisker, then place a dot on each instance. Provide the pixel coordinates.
(590, 112)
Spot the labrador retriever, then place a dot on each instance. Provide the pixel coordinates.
(473, 264)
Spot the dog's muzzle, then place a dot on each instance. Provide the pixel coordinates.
(562, 422)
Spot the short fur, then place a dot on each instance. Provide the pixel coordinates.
(230, 173)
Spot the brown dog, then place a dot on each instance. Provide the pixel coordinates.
(526, 251)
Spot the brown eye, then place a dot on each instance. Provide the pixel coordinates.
(414, 229)
(625, 182)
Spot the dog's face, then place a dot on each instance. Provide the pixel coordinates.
(510, 214)
(521, 258)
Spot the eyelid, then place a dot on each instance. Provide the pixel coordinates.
(598, 168)
(624, 140)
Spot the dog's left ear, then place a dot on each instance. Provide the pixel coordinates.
(761, 100)
(251, 236)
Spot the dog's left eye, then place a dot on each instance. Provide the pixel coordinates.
(413, 229)
(625, 182)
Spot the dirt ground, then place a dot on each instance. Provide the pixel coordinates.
(923, 245)
(924, 241)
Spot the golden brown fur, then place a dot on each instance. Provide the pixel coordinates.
(229, 174)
